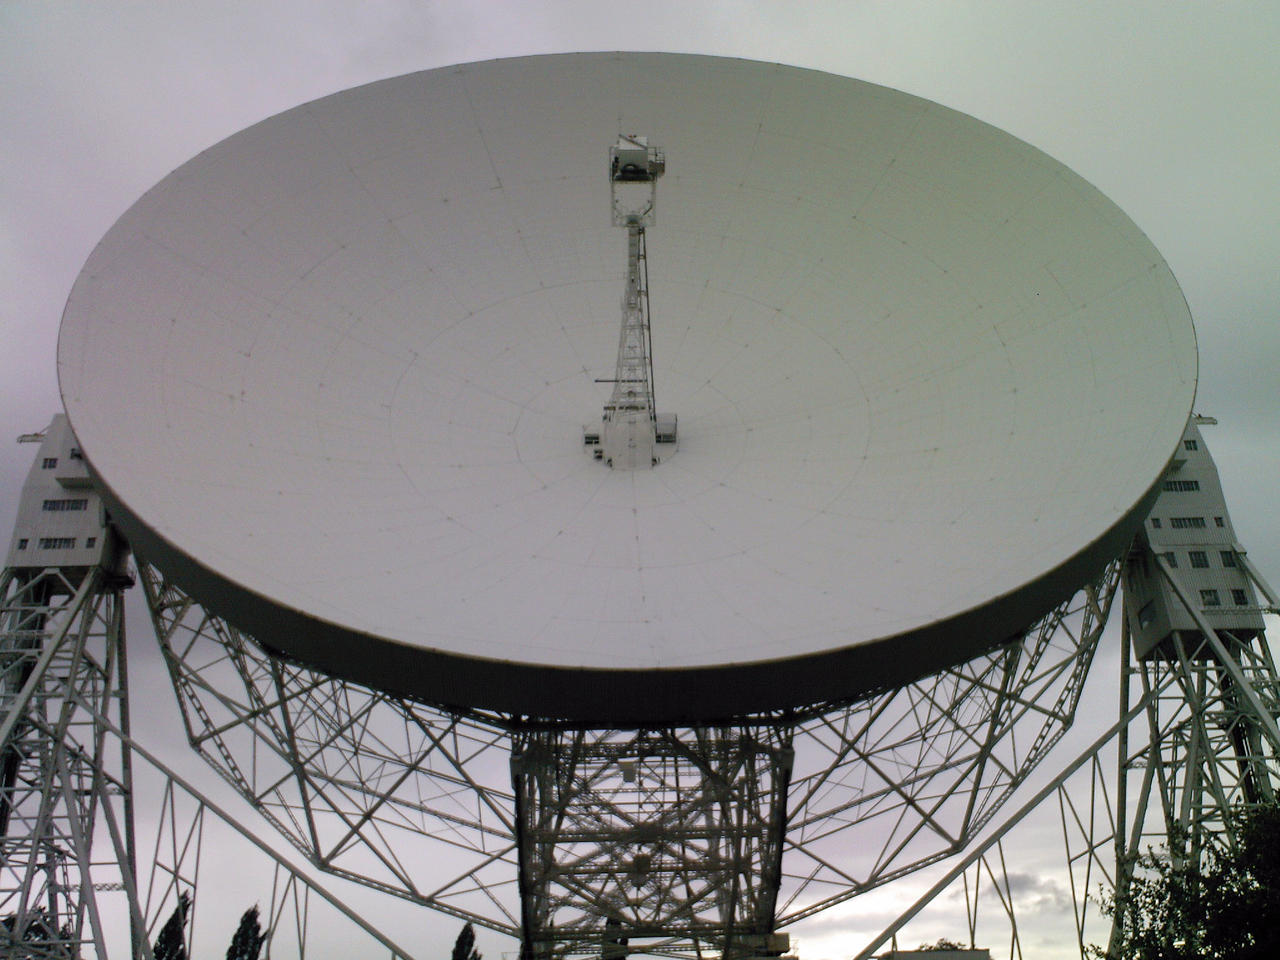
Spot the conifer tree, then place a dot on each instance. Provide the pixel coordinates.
(249, 938)
(464, 948)
(171, 944)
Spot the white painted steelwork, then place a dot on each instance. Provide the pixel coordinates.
(926, 378)
(629, 429)
(644, 847)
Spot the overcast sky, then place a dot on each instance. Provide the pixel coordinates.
(1171, 109)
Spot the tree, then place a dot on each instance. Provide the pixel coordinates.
(464, 948)
(47, 939)
(249, 938)
(171, 944)
(1228, 907)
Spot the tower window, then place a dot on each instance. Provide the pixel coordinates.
(1239, 598)
(1181, 486)
(1209, 598)
(1217, 522)
(48, 463)
(58, 506)
(1146, 615)
(1171, 558)
(57, 543)
(1198, 559)
(1186, 523)
(1190, 445)
(22, 544)
(1228, 558)
(1155, 523)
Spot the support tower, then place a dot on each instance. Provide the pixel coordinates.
(632, 434)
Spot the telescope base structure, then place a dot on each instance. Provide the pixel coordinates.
(683, 842)
(62, 783)
(668, 835)
(1207, 754)
(1196, 656)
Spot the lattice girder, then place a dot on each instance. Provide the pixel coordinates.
(537, 832)
(61, 642)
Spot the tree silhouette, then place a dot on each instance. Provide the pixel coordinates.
(1227, 908)
(171, 944)
(249, 938)
(42, 932)
(464, 948)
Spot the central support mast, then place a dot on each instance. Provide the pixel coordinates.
(631, 429)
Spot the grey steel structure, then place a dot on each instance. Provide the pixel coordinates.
(63, 782)
(1195, 745)
(674, 839)
(1206, 749)
(670, 708)
(631, 429)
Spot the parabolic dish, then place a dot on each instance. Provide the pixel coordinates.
(332, 374)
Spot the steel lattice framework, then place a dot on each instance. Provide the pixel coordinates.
(1194, 747)
(69, 880)
(920, 770)
(664, 834)
(61, 672)
(1203, 749)
(673, 840)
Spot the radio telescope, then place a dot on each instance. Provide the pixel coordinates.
(355, 346)
(332, 377)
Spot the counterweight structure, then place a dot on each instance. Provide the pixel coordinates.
(1207, 750)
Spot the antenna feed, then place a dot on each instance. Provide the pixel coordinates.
(632, 160)
(634, 169)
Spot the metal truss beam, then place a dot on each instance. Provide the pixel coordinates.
(1192, 748)
(69, 877)
(674, 836)
(367, 786)
(176, 865)
(896, 782)
(1209, 749)
(61, 670)
(676, 841)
